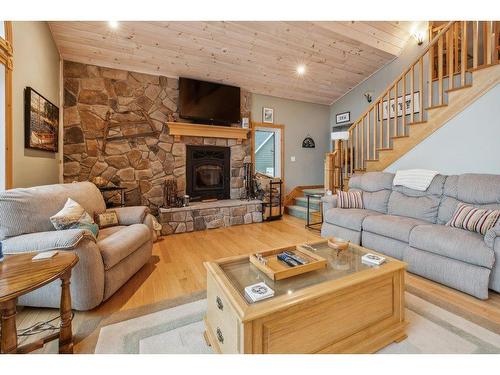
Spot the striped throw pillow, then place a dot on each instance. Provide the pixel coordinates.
(350, 199)
(473, 219)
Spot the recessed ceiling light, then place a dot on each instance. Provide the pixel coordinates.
(301, 69)
(113, 24)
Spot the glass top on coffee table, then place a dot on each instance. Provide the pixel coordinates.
(242, 273)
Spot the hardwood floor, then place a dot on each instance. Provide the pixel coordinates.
(176, 270)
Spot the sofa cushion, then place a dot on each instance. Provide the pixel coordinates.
(376, 188)
(348, 218)
(397, 227)
(40, 203)
(371, 181)
(74, 216)
(453, 243)
(479, 190)
(43, 241)
(106, 232)
(421, 208)
(350, 199)
(473, 219)
(117, 244)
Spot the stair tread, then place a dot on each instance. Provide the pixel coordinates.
(372, 159)
(399, 136)
(436, 106)
(384, 149)
(459, 88)
(300, 208)
(314, 191)
(417, 122)
(312, 199)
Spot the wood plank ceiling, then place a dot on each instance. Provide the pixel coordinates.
(261, 57)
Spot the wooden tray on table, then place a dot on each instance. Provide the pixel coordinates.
(278, 270)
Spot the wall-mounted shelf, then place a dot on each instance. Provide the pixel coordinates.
(178, 129)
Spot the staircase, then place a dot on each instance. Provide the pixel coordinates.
(460, 64)
(298, 203)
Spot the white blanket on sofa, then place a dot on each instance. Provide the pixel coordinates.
(417, 179)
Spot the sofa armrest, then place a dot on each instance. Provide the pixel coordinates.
(491, 235)
(329, 201)
(67, 239)
(130, 215)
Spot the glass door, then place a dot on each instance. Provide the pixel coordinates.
(265, 151)
(268, 150)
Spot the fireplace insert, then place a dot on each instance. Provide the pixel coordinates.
(208, 173)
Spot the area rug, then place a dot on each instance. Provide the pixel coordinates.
(179, 329)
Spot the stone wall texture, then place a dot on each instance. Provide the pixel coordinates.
(175, 220)
(141, 164)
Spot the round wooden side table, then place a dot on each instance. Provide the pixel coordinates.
(19, 274)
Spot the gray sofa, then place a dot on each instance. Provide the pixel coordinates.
(105, 263)
(410, 225)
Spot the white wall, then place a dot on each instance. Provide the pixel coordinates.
(470, 142)
(300, 119)
(36, 64)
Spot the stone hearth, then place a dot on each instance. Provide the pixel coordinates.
(210, 215)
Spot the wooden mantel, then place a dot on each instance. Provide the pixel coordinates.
(178, 129)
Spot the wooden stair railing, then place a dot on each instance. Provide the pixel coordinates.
(335, 163)
(460, 47)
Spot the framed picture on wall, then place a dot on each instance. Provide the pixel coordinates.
(41, 122)
(268, 115)
(343, 117)
(392, 107)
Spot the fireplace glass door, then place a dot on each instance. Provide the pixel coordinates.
(208, 173)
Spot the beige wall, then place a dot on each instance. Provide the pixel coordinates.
(36, 64)
(300, 119)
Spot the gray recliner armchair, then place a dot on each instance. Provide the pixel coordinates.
(106, 262)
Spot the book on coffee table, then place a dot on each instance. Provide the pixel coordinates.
(370, 258)
(258, 292)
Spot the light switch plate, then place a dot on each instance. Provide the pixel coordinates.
(292, 158)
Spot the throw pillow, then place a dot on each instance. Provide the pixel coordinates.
(473, 219)
(74, 216)
(106, 219)
(350, 199)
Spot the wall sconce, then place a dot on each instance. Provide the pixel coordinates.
(419, 37)
(369, 96)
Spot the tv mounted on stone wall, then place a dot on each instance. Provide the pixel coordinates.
(209, 102)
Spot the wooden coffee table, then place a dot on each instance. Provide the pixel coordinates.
(19, 274)
(348, 307)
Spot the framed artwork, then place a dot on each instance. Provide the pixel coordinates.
(392, 107)
(41, 122)
(268, 115)
(343, 117)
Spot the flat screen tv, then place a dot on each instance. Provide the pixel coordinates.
(209, 102)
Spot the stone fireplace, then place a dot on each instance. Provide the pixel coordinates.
(208, 172)
(141, 164)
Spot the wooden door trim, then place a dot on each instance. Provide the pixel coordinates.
(6, 59)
